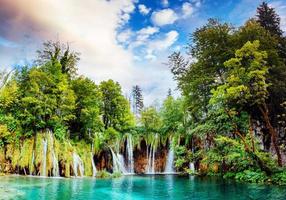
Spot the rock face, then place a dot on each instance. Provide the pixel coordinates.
(58, 155)
(103, 161)
(141, 160)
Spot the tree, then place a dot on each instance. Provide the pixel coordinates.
(47, 100)
(268, 19)
(246, 86)
(115, 108)
(87, 111)
(196, 76)
(169, 94)
(58, 52)
(150, 120)
(137, 99)
(172, 113)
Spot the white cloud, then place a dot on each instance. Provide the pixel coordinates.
(187, 9)
(169, 39)
(124, 36)
(143, 35)
(96, 37)
(146, 32)
(93, 35)
(158, 45)
(164, 17)
(143, 9)
(165, 3)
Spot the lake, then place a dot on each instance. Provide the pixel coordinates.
(159, 187)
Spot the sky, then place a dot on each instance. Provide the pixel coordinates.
(125, 40)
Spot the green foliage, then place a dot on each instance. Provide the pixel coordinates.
(246, 79)
(103, 174)
(116, 175)
(279, 178)
(172, 113)
(182, 157)
(115, 108)
(150, 120)
(88, 104)
(111, 136)
(47, 98)
(251, 176)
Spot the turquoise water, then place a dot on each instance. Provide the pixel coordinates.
(135, 188)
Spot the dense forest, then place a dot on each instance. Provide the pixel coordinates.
(229, 120)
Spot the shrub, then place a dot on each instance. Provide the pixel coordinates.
(279, 178)
(103, 174)
(251, 176)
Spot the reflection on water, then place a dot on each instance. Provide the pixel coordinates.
(163, 187)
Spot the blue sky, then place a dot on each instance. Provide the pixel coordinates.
(125, 40)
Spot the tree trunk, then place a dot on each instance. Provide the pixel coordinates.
(265, 113)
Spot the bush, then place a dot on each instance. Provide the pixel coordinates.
(103, 174)
(279, 178)
(251, 176)
(116, 175)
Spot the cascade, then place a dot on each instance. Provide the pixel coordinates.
(151, 160)
(32, 163)
(55, 165)
(130, 164)
(118, 162)
(44, 160)
(54, 157)
(192, 167)
(169, 169)
(151, 157)
(93, 166)
(92, 162)
(77, 165)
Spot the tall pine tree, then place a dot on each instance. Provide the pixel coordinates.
(137, 99)
(268, 19)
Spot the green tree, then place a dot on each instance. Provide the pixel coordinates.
(88, 104)
(211, 45)
(172, 113)
(115, 108)
(47, 99)
(246, 85)
(150, 120)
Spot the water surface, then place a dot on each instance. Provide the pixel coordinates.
(163, 187)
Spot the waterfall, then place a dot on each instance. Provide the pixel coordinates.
(169, 169)
(93, 166)
(118, 162)
(44, 160)
(54, 157)
(32, 163)
(192, 167)
(92, 162)
(55, 165)
(130, 164)
(78, 165)
(151, 160)
(151, 157)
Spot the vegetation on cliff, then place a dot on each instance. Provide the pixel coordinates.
(229, 120)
